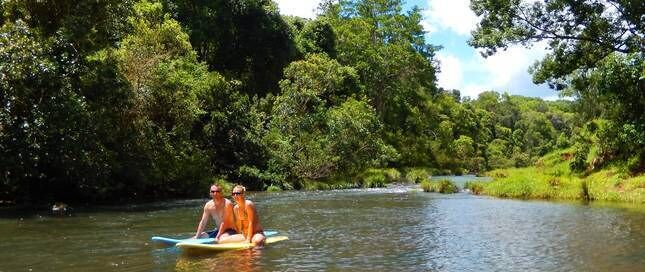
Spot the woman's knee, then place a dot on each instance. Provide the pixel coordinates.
(258, 238)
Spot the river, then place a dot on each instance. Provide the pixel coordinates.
(398, 228)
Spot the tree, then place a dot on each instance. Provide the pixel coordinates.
(317, 36)
(395, 64)
(318, 129)
(464, 150)
(579, 33)
(245, 40)
(596, 50)
(87, 25)
(48, 144)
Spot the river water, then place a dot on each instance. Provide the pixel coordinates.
(398, 228)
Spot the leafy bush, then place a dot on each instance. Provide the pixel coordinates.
(443, 186)
(475, 188)
(417, 175)
(392, 175)
(274, 188)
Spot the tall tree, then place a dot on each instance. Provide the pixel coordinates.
(395, 64)
(245, 40)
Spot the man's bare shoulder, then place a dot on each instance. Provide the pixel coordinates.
(209, 204)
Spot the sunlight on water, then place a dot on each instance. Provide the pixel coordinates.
(397, 228)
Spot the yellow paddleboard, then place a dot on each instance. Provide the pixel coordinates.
(227, 246)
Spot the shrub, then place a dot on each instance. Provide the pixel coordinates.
(476, 188)
(447, 187)
(274, 188)
(392, 175)
(374, 181)
(427, 186)
(417, 175)
(443, 186)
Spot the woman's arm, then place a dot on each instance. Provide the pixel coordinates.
(250, 211)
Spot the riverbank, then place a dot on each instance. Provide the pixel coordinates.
(551, 178)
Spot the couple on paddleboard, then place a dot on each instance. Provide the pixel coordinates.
(239, 223)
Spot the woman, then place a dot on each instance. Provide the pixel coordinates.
(247, 221)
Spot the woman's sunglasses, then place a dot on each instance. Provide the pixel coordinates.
(236, 193)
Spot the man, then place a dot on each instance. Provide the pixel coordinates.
(247, 221)
(221, 210)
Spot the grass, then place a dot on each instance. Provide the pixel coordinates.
(310, 185)
(551, 178)
(274, 188)
(417, 175)
(443, 186)
(476, 188)
(374, 177)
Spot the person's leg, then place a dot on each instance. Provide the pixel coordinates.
(231, 238)
(227, 233)
(258, 239)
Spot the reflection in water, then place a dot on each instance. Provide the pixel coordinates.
(393, 229)
(236, 260)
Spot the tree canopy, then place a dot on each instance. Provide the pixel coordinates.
(153, 99)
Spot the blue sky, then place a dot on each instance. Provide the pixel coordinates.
(448, 23)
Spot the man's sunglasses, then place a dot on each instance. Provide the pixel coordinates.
(215, 191)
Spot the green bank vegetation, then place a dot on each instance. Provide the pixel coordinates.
(442, 186)
(552, 178)
(102, 101)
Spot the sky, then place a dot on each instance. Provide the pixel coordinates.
(448, 23)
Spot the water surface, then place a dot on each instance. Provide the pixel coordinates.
(397, 228)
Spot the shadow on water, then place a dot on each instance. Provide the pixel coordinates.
(25, 211)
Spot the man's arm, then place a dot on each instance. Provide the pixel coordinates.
(228, 221)
(203, 222)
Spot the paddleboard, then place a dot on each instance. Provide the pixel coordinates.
(227, 246)
(173, 241)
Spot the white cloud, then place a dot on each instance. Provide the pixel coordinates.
(300, 8)
(451, 74)
(506, 71)
(454, 15)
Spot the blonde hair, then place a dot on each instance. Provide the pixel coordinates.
(240, 187)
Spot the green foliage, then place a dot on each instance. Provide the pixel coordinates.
(316, 36)
(443, 186)
(87, 25)
(417, 175)
(48, 143)
(392, 175)
(579, 33)
(106, 100)
(372, 178)
(551, 178)
(246, 40)
(274, 188)
(316, 130)
(395, 65)
(595, 55)
(476, 188)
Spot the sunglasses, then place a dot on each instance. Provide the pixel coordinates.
(236, 193)
(215, 191)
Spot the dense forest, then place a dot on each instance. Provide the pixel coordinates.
(122, 99)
